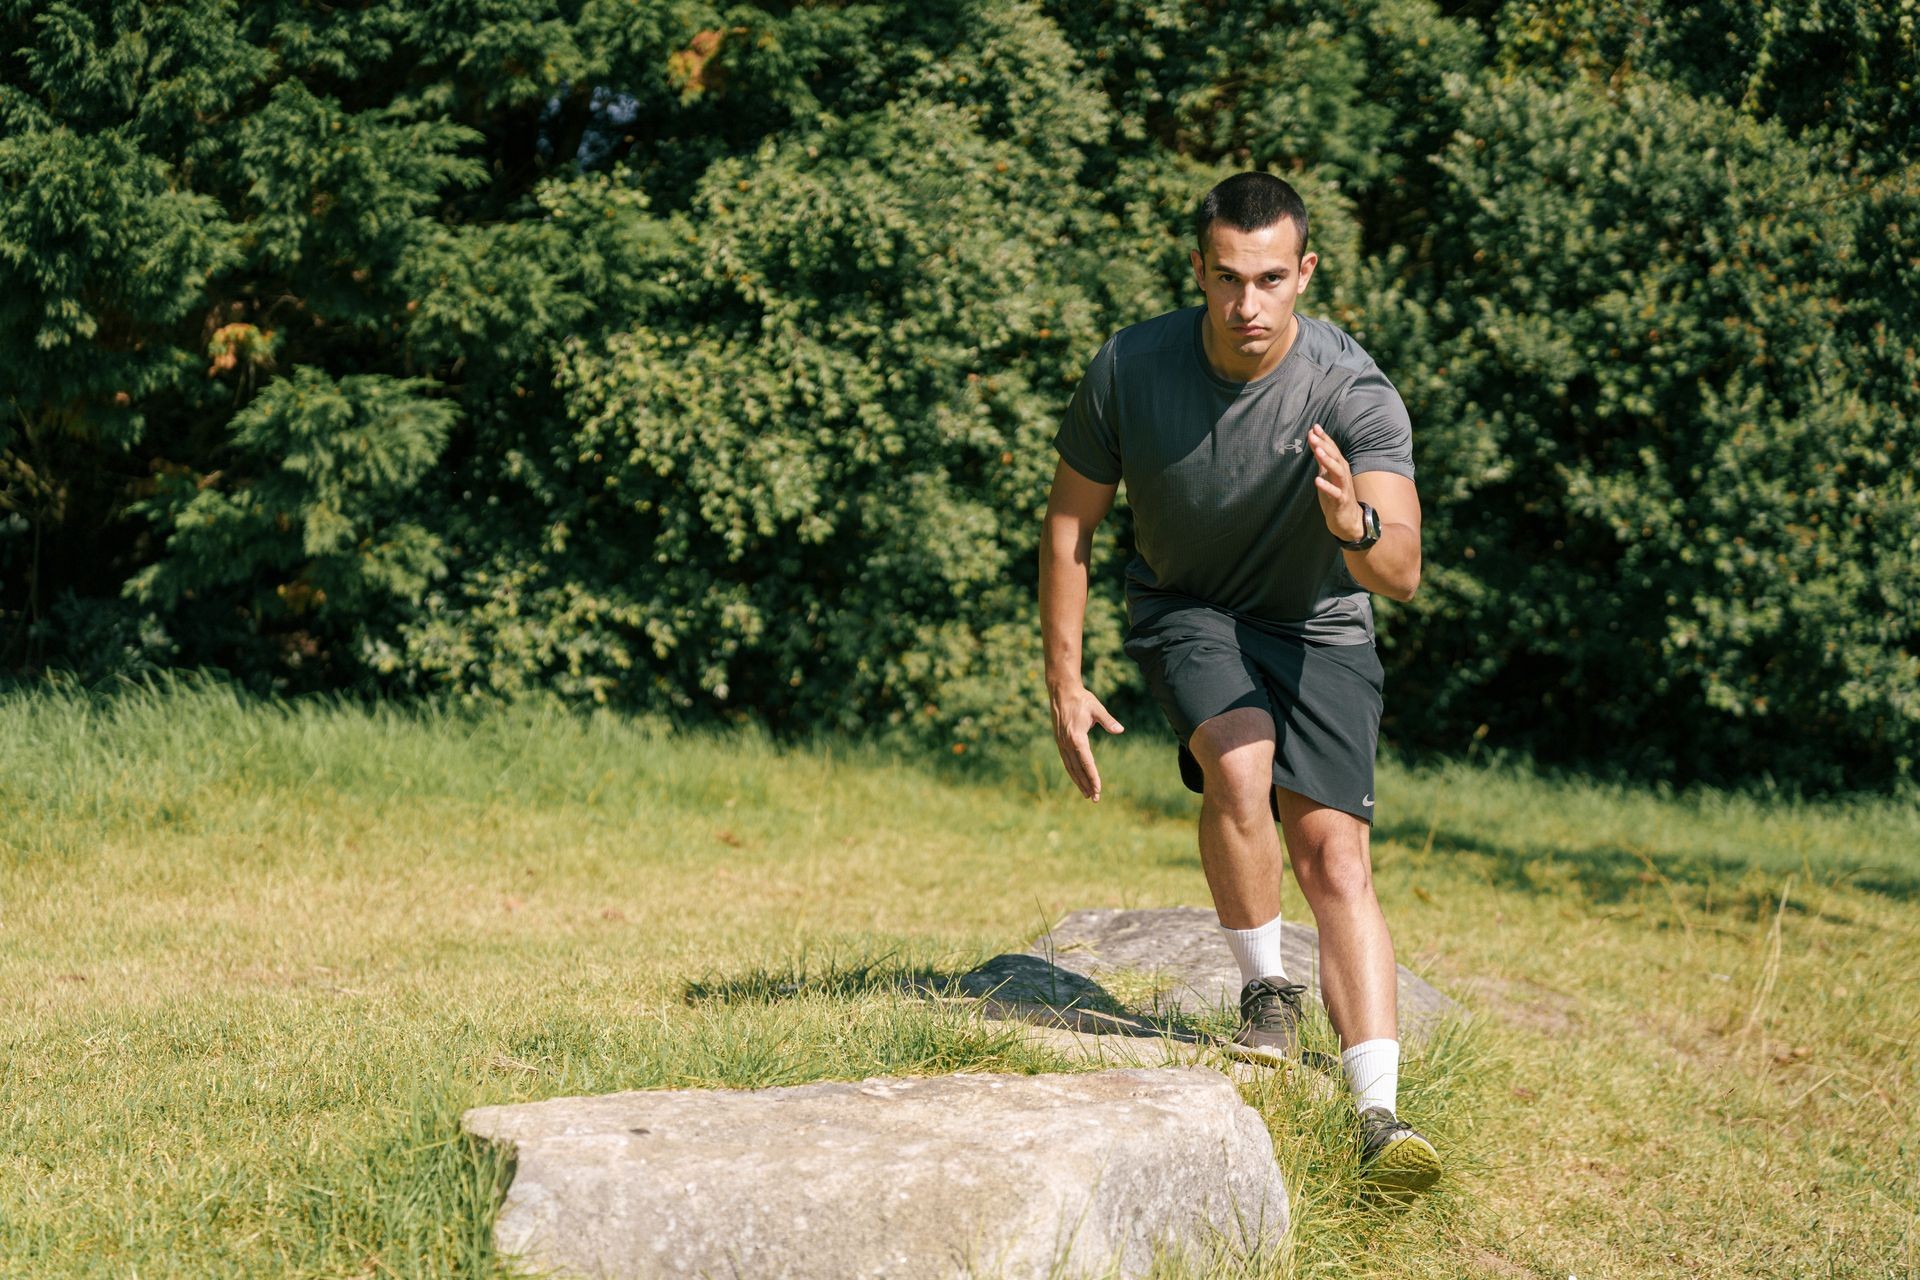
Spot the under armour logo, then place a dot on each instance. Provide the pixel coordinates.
(1292, 446)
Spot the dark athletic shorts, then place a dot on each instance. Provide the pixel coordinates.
(1324, 698)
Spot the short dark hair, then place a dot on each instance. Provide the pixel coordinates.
(1250, 201)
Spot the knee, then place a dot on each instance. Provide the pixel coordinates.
(1338, 875)
(1239, 781)
(1235, 755)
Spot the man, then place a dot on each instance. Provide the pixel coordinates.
(1269, 466)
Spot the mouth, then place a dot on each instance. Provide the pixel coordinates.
(1249, 330)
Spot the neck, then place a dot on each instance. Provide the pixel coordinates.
(1237, 368)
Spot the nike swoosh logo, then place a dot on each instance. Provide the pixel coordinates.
(1368, 802)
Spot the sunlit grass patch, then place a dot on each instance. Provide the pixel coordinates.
(257, 958)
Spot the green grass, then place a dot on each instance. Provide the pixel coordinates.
(254, 961)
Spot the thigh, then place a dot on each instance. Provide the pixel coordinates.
(1319, 833)
(1329, 851)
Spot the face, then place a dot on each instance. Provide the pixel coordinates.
(1252, 280)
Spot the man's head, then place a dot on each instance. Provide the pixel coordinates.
(1253, 266)
(1250, 202)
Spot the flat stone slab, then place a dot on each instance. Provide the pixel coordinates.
(956, 1176)
(1102, 970)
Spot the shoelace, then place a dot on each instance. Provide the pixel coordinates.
(1272, 1008)
(1382, 1130)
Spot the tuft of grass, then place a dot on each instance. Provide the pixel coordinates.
(256, 958)
(1347, 1228)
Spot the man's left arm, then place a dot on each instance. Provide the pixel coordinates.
(1391, 566)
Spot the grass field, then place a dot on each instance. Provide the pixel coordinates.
(254, 961)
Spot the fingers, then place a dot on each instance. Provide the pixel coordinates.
(1077, 756)
(1326, 452)
(1076, 764)
(1334, 485)
(1103, 718)
(1071, 735)
(1092, 790)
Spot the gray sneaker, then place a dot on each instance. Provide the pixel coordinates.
(1269, 1021)
(1394, 1157)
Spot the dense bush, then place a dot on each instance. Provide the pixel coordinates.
(1839, 75)
(702, 358)
(805, 479)
(200, 199)
(1674, 438)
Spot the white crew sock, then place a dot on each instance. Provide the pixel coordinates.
(1373, 1073)
(1257, 950)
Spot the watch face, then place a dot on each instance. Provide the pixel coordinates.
(1369, 529)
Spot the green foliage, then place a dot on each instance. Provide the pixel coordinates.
(792, 480)
(701, 358)
(1351, 92)
(317, 472)
(1840, 74)
(198, 199)
(1672, 444)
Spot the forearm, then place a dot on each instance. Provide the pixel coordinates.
(1391, 566)
(1064, 575)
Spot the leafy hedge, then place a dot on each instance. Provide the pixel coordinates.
(702, 358)
(1684, 527)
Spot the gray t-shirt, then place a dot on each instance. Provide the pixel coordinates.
(1219, 475)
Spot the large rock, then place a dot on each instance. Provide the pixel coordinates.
(1077, 972)
(962, 1176)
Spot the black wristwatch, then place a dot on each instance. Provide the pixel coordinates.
(1369, 530)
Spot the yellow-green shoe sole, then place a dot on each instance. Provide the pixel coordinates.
(1404, 1166)
(1258, 1056)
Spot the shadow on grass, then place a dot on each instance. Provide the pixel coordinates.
(1611, 872)
(1013, 987)
(835, 980)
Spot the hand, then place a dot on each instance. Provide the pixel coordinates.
(1075, 712)
(1334, 486)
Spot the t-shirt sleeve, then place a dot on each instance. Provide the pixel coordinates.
(1378, 433)
(1087, 438)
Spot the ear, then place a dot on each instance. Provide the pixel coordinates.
(1307, 264)
(1199, 267)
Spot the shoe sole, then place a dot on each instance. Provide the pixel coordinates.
(1255, 1054)
(1312, 1059)
(1404, 1166)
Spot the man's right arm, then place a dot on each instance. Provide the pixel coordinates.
(1075, 508)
